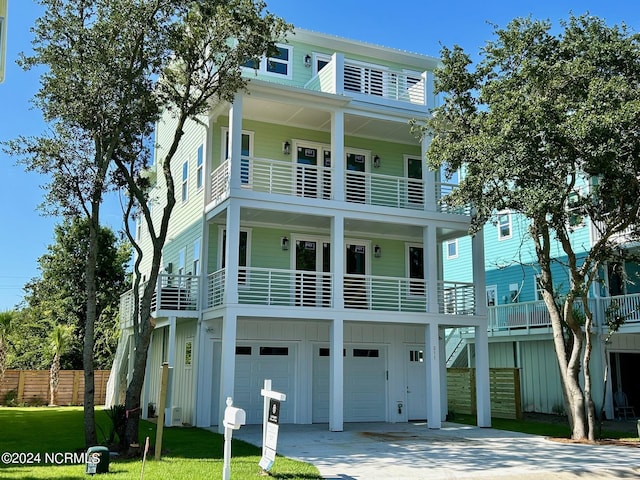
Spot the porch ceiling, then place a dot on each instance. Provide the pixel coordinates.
(306, 116)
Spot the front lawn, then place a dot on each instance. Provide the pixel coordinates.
(46, 434)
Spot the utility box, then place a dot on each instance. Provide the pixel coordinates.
(97, 460)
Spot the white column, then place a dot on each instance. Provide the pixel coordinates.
(336, 376)
(444, 400)
(432, 356)
(431, 269)
(232, 249)
(227, 364)
(204, 377)
(477, 255)
(171, 360)
(337, 260)
(338, 72)
(235, 143)
(483, 394)
(337, 155)
(428, 178)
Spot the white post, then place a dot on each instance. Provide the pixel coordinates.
(228, 432)
(432, 356)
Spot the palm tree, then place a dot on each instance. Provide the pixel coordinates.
(6, 322)
(60, 339)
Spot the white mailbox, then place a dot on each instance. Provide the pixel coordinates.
(234, 417)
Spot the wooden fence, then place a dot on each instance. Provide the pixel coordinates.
(504, 387)
(31, 387)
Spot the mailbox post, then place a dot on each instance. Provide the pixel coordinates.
(234, 418)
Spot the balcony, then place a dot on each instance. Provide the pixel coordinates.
(312, 181)
(298, 288)
(533, 317)
(373, 83)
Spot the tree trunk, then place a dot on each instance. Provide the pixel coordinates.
(90, 436)
(54, 379)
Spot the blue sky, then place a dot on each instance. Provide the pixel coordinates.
(418, 26)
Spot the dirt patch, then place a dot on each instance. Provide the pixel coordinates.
(622, 442)
(402, 436)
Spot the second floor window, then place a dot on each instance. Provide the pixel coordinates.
(199, 168)
(278, 64)
(185, 184)
(452, 249)
(504, 226)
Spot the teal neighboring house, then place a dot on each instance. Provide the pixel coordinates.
(306, 248)
(519, 328)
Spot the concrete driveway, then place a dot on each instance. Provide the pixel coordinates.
(371, 451)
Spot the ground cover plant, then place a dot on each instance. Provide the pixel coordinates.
(188, 453)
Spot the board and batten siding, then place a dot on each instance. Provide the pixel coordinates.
(540, 377)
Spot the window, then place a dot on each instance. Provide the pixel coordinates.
(452, 249)
(492, 295)
(366, 353)
(242, 254)
(199, 168)
(243, 350)
(182, 261)
(188, 353)
(576, 218)
(277, 65)
(416, 356)
(415, 260)
(196, 257)
(246, 151)
(504, 226)
(277, 351)
(185, 184)
(538, 287)
(319, 62)
(514, 292)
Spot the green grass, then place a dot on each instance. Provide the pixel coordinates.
(547, 429)
(188, 453)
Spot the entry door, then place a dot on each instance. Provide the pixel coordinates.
(356, 179)
(313, 289)
(355, 288)
(307, 172)
(415, 192)
(416, 383)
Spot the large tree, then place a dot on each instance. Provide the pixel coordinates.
(113, 66)
(548, 126)
(58, 295)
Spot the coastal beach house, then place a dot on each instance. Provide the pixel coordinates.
(306, 248)
(520, 334)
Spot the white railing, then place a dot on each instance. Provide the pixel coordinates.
(456, 298)
(176, 292)
(522, 317)
(384, 190)
(220, 182)
(443, 189)
(265, 286)
(392, 294)
(373, 81)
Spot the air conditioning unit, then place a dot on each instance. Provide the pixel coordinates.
(175, 418)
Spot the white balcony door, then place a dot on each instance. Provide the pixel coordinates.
(356, 293)
(312, 180)
(312, 288)
(415, 193)
(356, 178)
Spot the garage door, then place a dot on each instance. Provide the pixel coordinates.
(364, 384)
(254, 364)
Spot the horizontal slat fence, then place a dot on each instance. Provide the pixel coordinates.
(504, 385)
(31, 387)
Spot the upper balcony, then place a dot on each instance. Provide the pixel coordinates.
(314, 181)
(372, 83)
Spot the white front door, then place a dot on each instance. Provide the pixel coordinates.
(416, 383)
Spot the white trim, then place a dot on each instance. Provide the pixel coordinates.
(510, 223)
(264, 64)
(452, 242)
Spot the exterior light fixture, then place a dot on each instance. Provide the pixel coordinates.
(286, 148)
(307, 60)
(284, 242)
(376, 161)
(377, 251)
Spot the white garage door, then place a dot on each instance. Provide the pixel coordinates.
(364, 384)
(254, 364)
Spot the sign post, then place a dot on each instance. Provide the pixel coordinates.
(270, 424)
